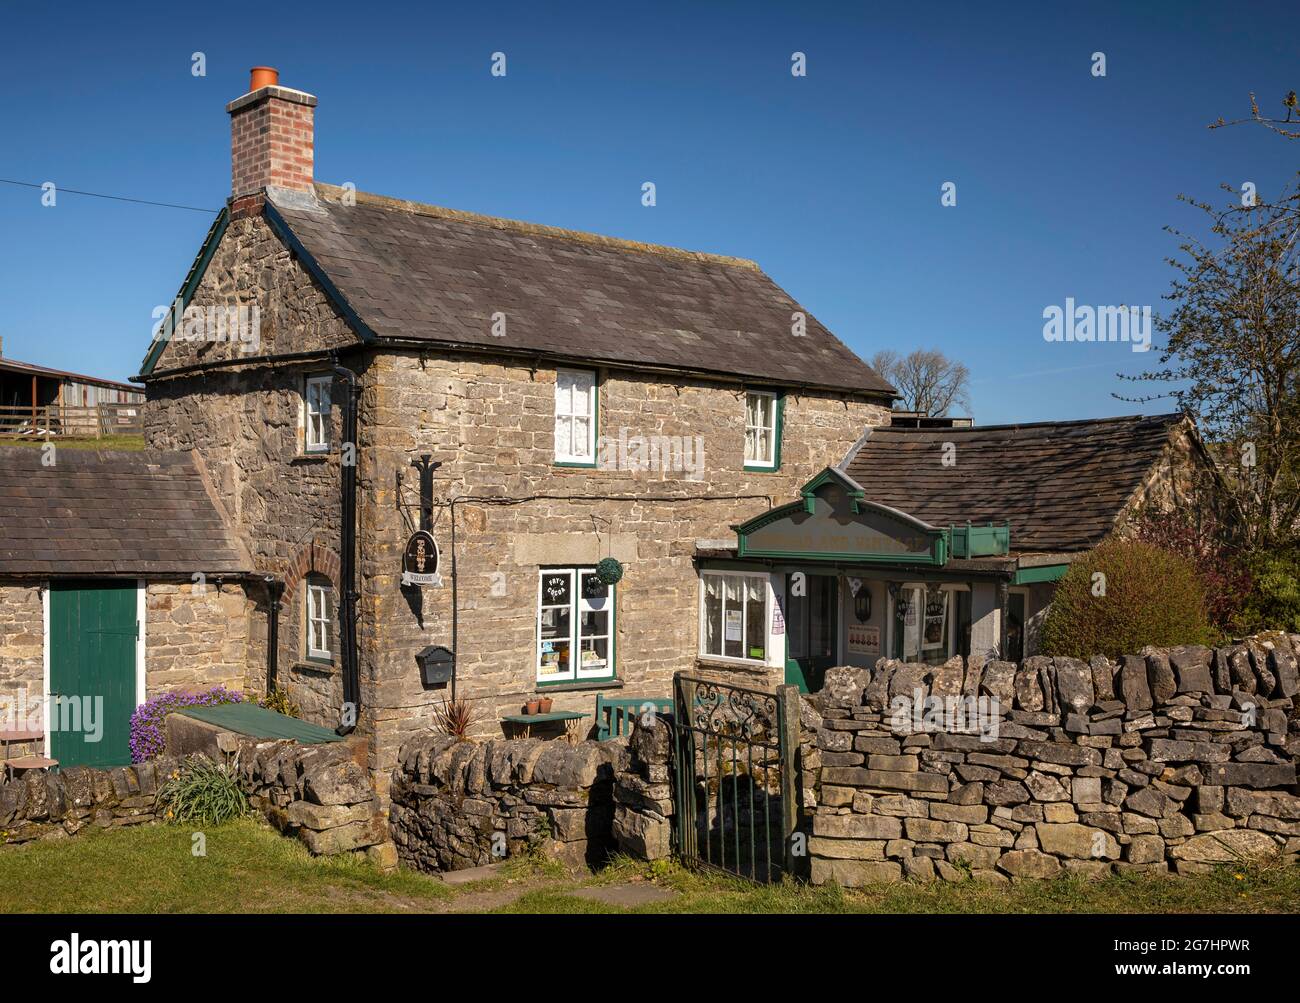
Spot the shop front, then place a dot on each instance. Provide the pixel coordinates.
(836, 579)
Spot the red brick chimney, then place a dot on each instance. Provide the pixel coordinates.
(271, 137)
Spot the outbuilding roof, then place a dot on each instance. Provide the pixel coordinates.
(1060, 484)
(416, 273)
(109, 513)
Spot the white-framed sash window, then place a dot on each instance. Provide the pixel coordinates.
(316, 414)
(733, 615)
(575, 416)
(575, 625)
(318, 620)
(760, 428)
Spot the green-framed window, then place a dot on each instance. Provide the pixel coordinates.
(575, 626)
(764, 417)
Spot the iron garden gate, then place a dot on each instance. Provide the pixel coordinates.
(735, 787)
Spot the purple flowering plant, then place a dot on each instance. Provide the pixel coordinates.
(147, 723)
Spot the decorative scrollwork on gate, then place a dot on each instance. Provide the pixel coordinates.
(724, 711)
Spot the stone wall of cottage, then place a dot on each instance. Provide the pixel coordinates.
(245, 422)
(246, 426)
(252, 267)
(22, 656)
(490, 424)
(202, 636)
(1171, 758)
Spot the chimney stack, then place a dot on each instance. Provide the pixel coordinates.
(271, 137)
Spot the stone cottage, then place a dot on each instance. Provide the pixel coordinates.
(424, 430)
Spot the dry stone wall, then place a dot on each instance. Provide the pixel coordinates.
(1175, 758)
(466, 804)
(320, 794)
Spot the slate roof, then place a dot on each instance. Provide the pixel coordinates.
(110, 513)
(420, 273)
(1061, 484)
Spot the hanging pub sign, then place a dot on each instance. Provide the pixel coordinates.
(420, 560)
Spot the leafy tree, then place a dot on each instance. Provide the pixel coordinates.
(929, 381)
(1232, 358)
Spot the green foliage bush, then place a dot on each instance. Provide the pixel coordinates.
(201, 791)
(1149, 596)
(1273, 602)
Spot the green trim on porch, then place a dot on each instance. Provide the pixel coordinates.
(1041, 573)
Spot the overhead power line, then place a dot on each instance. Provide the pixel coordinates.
(115, 198)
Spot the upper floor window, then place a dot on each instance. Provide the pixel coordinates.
(316, 414)
(575, 417)
(318, 619)
(575, 625)
(762, 430)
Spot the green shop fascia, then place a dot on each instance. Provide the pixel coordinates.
(853, 580)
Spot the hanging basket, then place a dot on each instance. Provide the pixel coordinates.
(609, 571)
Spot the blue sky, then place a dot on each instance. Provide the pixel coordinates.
(830, 181)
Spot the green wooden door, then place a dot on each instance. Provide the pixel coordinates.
(93, 635)
(811, 630)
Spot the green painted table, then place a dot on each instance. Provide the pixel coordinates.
(525, 722)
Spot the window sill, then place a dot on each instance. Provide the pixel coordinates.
(320, 457)
(741, 664)
(750, 469)
(315, 665)
(577, 464)
(579, 685)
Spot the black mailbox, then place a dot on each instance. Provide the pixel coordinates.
(435, 665)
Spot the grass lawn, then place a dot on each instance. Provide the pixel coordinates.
(250, 868)
(113, 443)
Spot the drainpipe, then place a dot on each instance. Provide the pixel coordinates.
(348, 549)
(274, 590)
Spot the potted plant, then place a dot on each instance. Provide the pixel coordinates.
(532, 706)
(545, 704)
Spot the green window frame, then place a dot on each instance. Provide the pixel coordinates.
(576, 627)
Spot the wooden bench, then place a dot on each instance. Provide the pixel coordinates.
(614, 716)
